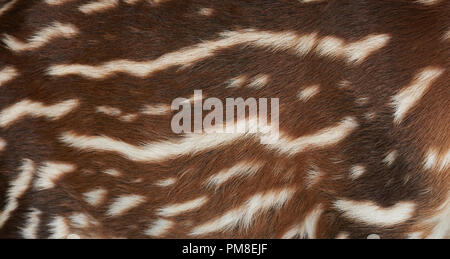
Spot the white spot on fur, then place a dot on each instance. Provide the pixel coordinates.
(373, 236)
(111, 111)
(79, 220)
(436, 160)
(178, 208)
(159, 228)
(95, 197)
(17, 189)
(98, 6)
(343, 235)
(113, 172)
(166, 182)
(188, 56)
(242, 169)
(330, 46)
(30, 230)
(206, 11)
(130, 117)
(244, 215)
(323, 138)
(390, 157)
(428, 2)
(26, 107)
(237, 82)
(50, 173)
(259, 81)
(357, 52)
(6, 7)
(7, 74)
(356, 171)
(193, 143)
(372, 214)
(124, 203)
(158, 109)
(58, 228)
(57, 2)
(307, 229)
(41, 38)
(409, 96)
(308, 92)
(446, 35)
(430, 159)
(354, 52)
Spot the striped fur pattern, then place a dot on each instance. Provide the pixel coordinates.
(87, 150)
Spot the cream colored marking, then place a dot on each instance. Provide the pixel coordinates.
(242, 169)
(343, 235)
(27, 107)
(57, 2)
(308, 228)
(357, 52)
(97, 6)
(323, 138)
(446, 35)
(6, 7)
(308, 92)
(113, 172)
(437, 161)
(58, 228)
(30, 230)
(79, 220)
(390, 157)
(157, 109)
(244, 215)
(17, 189)
(370, 213)
(410, 95)
(430, 159)
(185, 57)
(373, 236)
(178, 208)
(7, 74)
(356, 171)
(277, 41)
(108, 110)
(428, 2)
(166, 182)
(130, 117)
(124, 204)
(194, 143)
(95, 197)
(159, 227)
(41, 38)
(236, 82)
(49, 174)
(206, 11)
(259, 81)
(354, 52)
